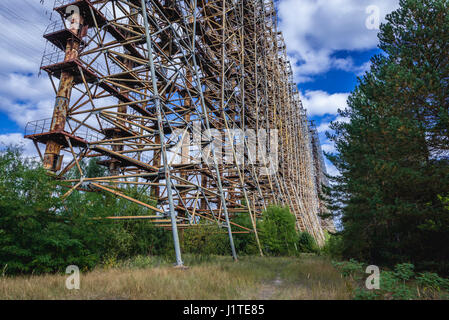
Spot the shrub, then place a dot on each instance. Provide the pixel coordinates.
(333, 247)
(36, 234)
(205, 240)
(362, 294)
(430, 280)
(40, 234)
(307, 244)
(400, 284)
(277, 231)
(245, 243)
(350, 269)
(404, 271)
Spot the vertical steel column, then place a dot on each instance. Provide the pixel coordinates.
(206, 118)
(161, 135)
(53, 149)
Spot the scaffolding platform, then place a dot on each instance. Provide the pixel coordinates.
(58, 137)
(62, 37)
(85, 7)
(74, 68)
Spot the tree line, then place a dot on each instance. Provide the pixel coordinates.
(41, 231)
(392, 196)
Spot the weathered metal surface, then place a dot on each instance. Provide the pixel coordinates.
(193, 66)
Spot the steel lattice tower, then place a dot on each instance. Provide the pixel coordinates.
(140, 80)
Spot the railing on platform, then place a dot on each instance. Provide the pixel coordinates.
(38, 127)
(104, 10)
(54, 57)
(44, 126)
(55, 26)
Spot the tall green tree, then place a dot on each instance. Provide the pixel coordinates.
(390, 154)
(416, 40)
(35, 233)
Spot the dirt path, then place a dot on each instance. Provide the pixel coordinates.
(269, 289)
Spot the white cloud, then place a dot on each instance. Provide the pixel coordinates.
(328, 147)
(23, 24)
(347, 64)
(319, 102)
(315, 29)
(16, 139)
(25, 87)
(331, 170)
(24, 96)
(323, 127)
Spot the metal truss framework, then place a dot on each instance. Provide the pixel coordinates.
(132, 73)
(320, 174)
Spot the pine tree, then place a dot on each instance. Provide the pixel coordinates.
(391, 153)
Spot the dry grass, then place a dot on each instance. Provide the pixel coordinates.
(221, 278)
(314, 279)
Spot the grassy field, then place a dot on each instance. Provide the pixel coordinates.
(306, 277)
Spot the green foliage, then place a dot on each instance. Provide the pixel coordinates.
(391, 195)
(307, 244)
(431, 280)
(350, 269)
(36, 234)
(403, 292)
(404, 271)
(198, 259)
(393, 286)
(42, 233)
(277, 231)
(116, 240)
(400, 284)
(39, 233)
(205, 240)
(245, 243)
(333, 247)
(362, 294)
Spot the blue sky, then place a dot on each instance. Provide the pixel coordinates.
(328, 42)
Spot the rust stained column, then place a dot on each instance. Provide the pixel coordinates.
(52, 156)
